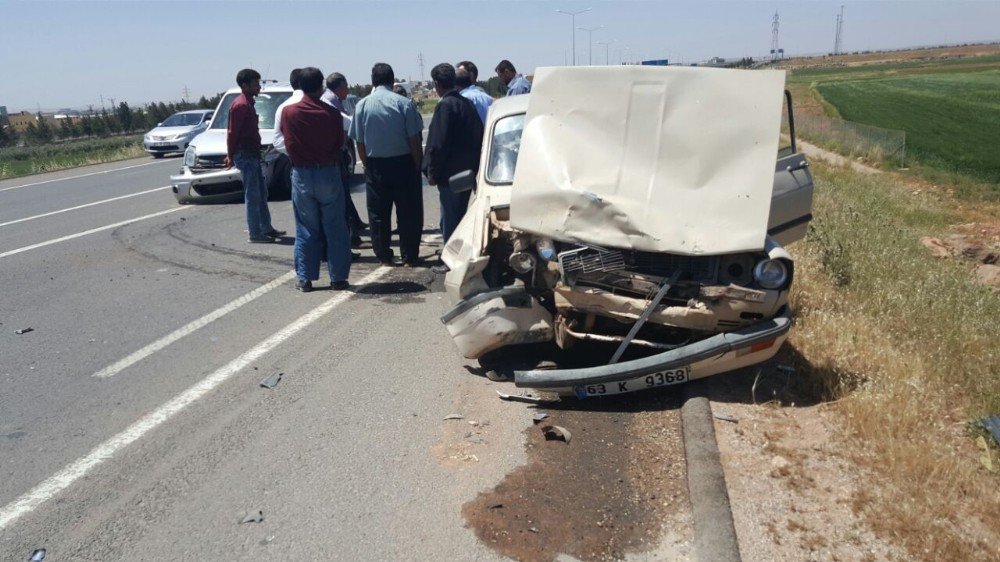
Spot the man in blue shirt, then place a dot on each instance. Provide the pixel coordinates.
(466, 75)
(386, 128)
(516, 83)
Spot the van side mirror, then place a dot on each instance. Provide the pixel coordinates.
(462, 181)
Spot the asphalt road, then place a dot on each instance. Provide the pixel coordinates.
(133, 425)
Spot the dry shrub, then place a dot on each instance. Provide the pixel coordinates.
(908, 346)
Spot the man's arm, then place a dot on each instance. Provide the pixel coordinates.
(362, 155)
(237, 118)
(416, 151)
(414, 127)
(437, 144)
(279, 135)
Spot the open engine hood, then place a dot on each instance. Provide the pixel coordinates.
(658, 159)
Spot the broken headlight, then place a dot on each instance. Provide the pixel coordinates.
(521, 262)
(771, 274)
(190, 157)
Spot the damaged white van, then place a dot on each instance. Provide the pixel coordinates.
(640, 208)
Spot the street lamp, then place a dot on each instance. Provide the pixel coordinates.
(572, 16)
(590, 45)
(606, 45)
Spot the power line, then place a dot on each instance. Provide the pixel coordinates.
(774, 38)
(420, 63)
(837, 45)
(187, 93)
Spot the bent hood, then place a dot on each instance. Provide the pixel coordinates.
(677, 160)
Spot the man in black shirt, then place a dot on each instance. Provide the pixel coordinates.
(454, 139)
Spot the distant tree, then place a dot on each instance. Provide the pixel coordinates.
(360, 90)
(125, 116)
(66, 128)
(140, 120)
(203, 103)
(87, 126)
(43, 132)
(99, 126)
(494, 87)
(6, 136)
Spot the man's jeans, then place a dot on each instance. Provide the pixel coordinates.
(453, 206)
(318, 200)
(255, 192)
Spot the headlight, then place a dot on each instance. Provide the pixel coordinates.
(771, 274)
(521, 262)
(190, 157)
(546, 249)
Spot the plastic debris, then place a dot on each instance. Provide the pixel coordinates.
(254, 517)
(533, 529)
(556, 433)
(520, 398)
(454, 417)
(272, 380)
(24, 331)
(725, 417)
(38, 555)
(539, 417)
(494, 506)
(992, 424)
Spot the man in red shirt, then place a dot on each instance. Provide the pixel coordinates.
(314, 137)
(243, 151)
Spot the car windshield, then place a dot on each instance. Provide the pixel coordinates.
(183, 120)
(265, 104)
(503, 149)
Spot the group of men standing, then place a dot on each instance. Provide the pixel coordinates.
(312, 127)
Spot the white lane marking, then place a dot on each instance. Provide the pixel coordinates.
(67, 476)
(84, 206)
(91, 231)
(170, 338)
(80, 176)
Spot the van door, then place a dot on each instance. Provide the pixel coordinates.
(791, 198)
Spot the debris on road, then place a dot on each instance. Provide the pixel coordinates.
(24, 331)
(38, 555)
(521, 398)
(494, 506)
(454, 417)
(992, 424)
(533, 529)
(556, 433)
(539, 417)
(473, 438)
(725, 417)
(255, 517)
(272, 380)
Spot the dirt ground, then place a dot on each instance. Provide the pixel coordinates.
(888, 57)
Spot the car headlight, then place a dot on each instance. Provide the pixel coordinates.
(546, 249)
(521, 262)
(190, 157)
(771, 274)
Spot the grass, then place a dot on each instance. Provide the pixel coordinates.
(907, 346)
(952, 119)
(23, 161)
(427, 106)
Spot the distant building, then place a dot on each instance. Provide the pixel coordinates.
(20, 121)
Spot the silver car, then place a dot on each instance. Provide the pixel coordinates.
(204, 177)
(175, 133)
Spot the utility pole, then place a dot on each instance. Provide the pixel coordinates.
(102, 102)
(420, 63)
(187, 94)
(572, 16)
(606, 46)
(840, 31)
(774, 38)
(590, 44)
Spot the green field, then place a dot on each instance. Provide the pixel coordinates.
(949, 110)
(27, 160)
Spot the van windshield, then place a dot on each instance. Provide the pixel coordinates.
(265, 104)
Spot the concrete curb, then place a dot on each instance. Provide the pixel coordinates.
(714, 531)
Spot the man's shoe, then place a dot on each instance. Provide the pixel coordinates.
(355, 256)
(275, 233)
(303, 286)
(440, 269)
(356, 242)
(391, 262)
(261, 240)
(415, 262)
(340, 285)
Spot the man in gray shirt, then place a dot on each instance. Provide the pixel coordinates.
(386, 128)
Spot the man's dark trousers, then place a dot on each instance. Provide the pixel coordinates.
(453, 206)
(395, 181)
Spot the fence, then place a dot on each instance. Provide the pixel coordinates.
(874, 144)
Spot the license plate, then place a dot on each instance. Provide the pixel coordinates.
(660, 378)
(160, 144)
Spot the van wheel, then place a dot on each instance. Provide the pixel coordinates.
(280, 187)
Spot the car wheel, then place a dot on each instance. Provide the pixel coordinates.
(280, 187)
(158, 155)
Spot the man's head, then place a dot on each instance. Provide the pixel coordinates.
(248, 80)
(506, 71)
(471, 68)
(293, 78)
(443, 76)
(382, 75)
(463, 79)
(337, 84)
(311, 80)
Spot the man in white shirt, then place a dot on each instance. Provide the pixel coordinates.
(279, 139)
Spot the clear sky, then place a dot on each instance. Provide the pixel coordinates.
(69, 54)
